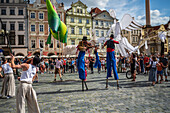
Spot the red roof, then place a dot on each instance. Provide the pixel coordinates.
(95, 10)
(100, 13)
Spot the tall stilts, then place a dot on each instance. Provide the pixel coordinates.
(117, 84)
(86, 85)
(82, 85)
(106, 83)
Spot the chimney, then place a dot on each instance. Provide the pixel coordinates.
(148, 19)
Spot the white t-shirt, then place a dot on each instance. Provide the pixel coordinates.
(102, 61)
(58, 64)
(153, 64)
(6, 68)
(29, 74)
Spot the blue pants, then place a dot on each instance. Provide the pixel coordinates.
(111, 64)
(81, 65)
(97, 63)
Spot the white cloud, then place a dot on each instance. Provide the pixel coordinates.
(156, 18)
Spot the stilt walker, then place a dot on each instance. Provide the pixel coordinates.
(25, 89)
(83, 46)
(111, 61)
(8, 85)
(97, 63)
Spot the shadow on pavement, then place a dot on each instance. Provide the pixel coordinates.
(69, 91)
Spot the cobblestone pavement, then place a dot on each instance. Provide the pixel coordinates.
(66, 96)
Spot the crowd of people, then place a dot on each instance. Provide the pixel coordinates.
(157, 67)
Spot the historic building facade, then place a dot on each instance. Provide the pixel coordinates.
(39, 28)
(78, 21)
(102, 21)
(14, 19)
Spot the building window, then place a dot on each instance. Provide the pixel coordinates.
(107, 23)
(127, 32)
(133, 39)
(3, 11)
(101, 23)
(12, 26)
(87, 31)
(32, 15)
(136, 39)
(41, 28)
(102, 33)
(96, 22)
(104, 15)
(4, 26)
(20, 12)
(7, 1)
(41, 43)
(41, 16)
(12, 11)
(32, 43)
(20, 26)
(12, 40)
(77, 10)
(72, 42)
(2, 1)
(97, 33)
(72, 20)
(72, 30)
(87, 21)
(81, 11)
(80, 31)
(20, 39)
(2, 40)
(51, 45)
(32, 27)
(80, 20)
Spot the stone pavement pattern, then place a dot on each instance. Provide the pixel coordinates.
(66, 96)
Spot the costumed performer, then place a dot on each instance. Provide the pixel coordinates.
(111, 61)
(82, 47)
(97, 63)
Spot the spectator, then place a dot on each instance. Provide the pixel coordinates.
(164, 66)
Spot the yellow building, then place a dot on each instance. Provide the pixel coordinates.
(78, 21)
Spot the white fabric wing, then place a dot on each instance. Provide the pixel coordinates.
(126, 21)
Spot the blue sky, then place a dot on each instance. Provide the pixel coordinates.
(160, 9)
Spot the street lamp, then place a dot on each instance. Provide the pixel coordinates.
(6, 34)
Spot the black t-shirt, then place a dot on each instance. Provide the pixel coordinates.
(141, 60)
(123, 60)
(164, 61)
(91, 62)
(133, 64)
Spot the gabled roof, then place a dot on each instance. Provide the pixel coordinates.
(95, 10)
(100, 13)
(79, 3)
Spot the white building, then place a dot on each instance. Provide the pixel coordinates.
(102, 22)
(13, 15)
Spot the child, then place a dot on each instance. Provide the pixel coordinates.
(159, 72)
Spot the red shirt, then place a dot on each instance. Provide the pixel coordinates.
(110, 49)
(64, 63)
(146, 59)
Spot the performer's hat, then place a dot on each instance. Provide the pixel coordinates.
(84, 38)
(112, 35)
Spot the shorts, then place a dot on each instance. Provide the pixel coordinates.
(57, 70)
(123, 65)
(102, 64)
(132, 71)
(160, 72)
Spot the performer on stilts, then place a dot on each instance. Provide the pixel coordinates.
(25, 89)
(8, 85)
(83, 46)
(111, 61)
(97, 63)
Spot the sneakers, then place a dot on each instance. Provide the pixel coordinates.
(166, 80)
(8, 97)
(61, 79)
(55, 80)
